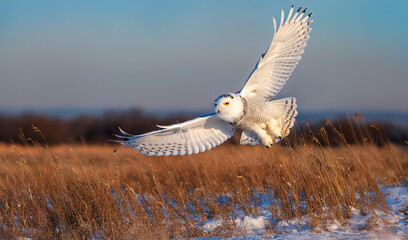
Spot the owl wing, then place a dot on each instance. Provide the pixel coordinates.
(193, 136)
(281, 58)
(248, 137)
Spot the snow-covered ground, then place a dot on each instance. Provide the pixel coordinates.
(376, 225)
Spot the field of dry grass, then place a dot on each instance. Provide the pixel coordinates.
(86, 191)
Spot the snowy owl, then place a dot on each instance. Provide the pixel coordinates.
(262, 121)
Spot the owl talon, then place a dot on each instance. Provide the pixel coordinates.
(267, 142)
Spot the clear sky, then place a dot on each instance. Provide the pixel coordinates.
(184, 54)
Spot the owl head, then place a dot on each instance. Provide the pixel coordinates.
(229, 107)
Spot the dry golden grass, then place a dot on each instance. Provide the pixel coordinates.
(87, 191)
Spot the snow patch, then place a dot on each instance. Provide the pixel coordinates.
(375, 225)
(211, 225)
(252, 224)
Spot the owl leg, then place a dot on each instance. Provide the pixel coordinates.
(275, 129)
(263, 134)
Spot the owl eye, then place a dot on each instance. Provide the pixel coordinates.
(226, 103)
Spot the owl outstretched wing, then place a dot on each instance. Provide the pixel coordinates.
(193, 136)
(277, 64)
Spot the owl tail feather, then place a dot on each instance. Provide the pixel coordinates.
(286, 107)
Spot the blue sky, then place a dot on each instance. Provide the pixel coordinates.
(184, 54)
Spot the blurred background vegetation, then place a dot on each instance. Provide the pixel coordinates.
(98, 129)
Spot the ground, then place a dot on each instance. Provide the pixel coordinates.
(302, 191)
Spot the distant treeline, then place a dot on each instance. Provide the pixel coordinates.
(81, 129)
(99, 129)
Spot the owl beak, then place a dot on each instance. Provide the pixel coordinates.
(219, 111)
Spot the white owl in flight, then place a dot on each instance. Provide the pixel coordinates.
(262, 121)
